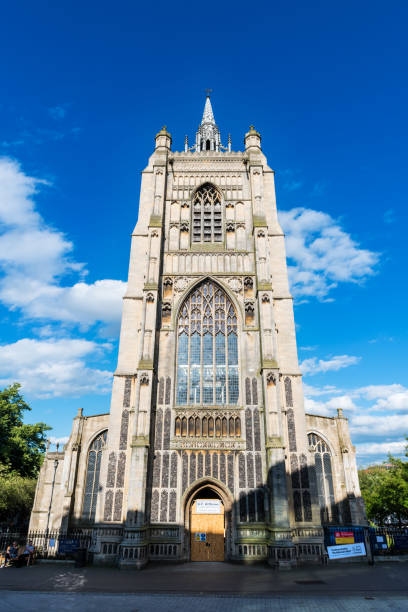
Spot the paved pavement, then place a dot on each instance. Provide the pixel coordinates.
(88, 602)
(213, 587)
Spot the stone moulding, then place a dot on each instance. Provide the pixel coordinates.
(140, 441)
(275, 442)
(207, 444)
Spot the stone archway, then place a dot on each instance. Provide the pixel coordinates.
(208, 488)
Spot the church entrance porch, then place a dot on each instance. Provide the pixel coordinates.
(207, 523)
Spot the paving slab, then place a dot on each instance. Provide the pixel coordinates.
(213, 579)
(96, 602)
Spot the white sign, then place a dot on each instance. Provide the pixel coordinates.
(208, 506)
(346, 550)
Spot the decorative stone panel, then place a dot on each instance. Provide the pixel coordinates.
(254, 392)
(192, 467)
(231, 472)
(250, 470)
(156, 470)
(110, 481)
(159, 428)
(215, 465)
(288, 391)
(126, 394)
(168, 390)
(107, 515)
(117, 512)
(291, 430)
(124, 427)
(241, 471)
(257, 430)
(167, 424)
(155, 507)
(120, 473)
(161, 391)
(165, 470)
(248, 428)
(184, 463)
(173, 470)
(200, 465)
(173, 507)
(163, 506)
(258, 470)
(223, 468)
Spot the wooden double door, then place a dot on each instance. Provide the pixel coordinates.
(207, 530)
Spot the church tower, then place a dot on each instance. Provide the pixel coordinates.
(207, 453)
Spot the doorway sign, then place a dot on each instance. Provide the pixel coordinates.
(208, 506)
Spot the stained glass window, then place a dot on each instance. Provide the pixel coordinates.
(92, 476)
(324, 477)
(207, 215)
(207, 351)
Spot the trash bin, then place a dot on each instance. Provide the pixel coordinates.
(80, 557)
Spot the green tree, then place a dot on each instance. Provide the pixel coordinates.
(385, 491)
(16, 498)
(22, 446)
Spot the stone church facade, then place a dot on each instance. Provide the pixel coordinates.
(207, 399)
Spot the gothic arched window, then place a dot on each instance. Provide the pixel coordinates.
(92, 476)
(207, 214)
(324, 477)
(207, 351)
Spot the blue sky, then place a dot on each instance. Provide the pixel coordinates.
(85, 87)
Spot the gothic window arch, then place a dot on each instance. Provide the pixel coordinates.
(93, 468)
(207, 214)
(324, 478)
(207, 349)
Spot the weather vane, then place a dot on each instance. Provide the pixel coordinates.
(208, 92)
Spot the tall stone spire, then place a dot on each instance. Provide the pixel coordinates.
(208, 115)
(208, 135)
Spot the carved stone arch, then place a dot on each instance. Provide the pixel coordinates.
(324, 438)
(92, 437)
(221, 284)
(222, 491)
(208, 183)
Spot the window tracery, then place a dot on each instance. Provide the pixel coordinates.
(207, 214)
(207, 351)
(324, 477)
(92, 476)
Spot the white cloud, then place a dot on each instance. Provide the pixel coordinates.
(329, 407)
(60, 441)
(35, 258)
(314, 407)
(314, 365)
(323, 254)
(53, 368)
(381, 448)
(379, 425)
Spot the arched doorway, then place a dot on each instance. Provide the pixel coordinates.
(207, 523)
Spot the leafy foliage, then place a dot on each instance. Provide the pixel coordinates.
(385, 491)
(21, 446)
(16, 498)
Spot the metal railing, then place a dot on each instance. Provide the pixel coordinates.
(50, 544)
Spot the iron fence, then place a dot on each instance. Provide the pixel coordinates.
(50, 544)
(389, 540)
